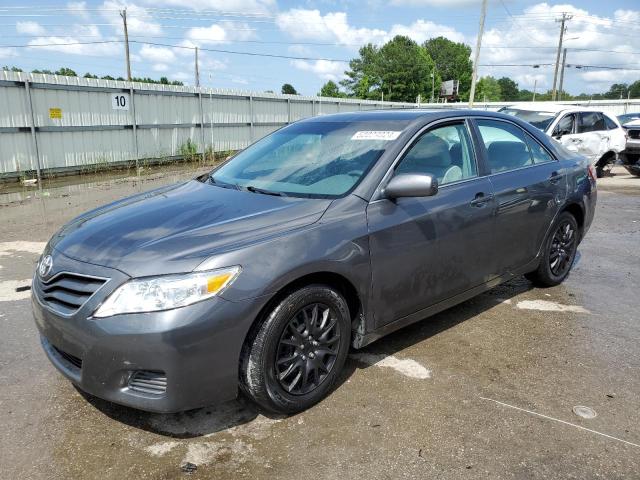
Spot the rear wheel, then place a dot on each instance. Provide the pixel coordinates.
(604, 165)
(294, 358)
(559, 252)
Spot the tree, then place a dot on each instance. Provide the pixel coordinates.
(509, 89)
(634, 89)
(12, 69)
(400, 69)
(89, 75)
(488, 89)
(330, 89)
(363, 80)
(617, 90)
(288, 89)
(453, 61)
(66, 71)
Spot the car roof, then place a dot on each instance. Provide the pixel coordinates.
(553, 107)
(404, 115)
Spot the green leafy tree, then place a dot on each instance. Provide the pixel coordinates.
(634, 89)
(89, 75)
(508, 89)
(400, 69)
(330, 89)
(288, 89)
(453, 61)
(43, 71)
(12, 69)
(66, 71)
(488, 90)
(363, 79)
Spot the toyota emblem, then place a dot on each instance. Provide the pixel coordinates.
(46, 264)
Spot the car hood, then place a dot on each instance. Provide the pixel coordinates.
(173, 229)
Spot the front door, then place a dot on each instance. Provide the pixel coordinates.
(425, 250)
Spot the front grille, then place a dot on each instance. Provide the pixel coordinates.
(75, 361)
(145, 381)
(67, 292)
(635, 134)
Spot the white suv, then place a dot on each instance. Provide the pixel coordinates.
(593, 133)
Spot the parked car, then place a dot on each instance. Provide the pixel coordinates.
(631, 156)
(592, 133)
(628, 117)
(323, 236)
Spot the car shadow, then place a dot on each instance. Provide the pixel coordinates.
(239, 412)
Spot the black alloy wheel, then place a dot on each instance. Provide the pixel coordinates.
(559, 252)
(294, 355)
(562, 249)
(308, 349)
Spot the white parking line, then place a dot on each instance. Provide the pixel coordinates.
(8, 291)
(407, 367)
(560, 421)
(8, 248)
(547, 306)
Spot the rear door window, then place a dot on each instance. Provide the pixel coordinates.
(506, 144)
(591, 122)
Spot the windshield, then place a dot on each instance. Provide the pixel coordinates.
(540, 120)
(312, 159)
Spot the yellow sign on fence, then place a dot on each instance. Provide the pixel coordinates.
(55, 113)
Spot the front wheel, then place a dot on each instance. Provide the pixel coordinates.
(295, 357)
(559, 252)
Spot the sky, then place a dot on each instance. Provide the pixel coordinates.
(321, 35)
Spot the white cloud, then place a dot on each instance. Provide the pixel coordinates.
(30, 28)
(160, 67)
(436, 3)
(537, 27)
(334, 26)
(157, 54)
(220, 33)
(422, 30)
(242, 6)
(78, 9)
(72, 43)
(139, 20)
(324, 69)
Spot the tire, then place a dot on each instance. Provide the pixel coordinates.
(599, 171)
(304, 338)
(559, 252)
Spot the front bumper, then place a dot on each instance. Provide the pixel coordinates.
(197, 348)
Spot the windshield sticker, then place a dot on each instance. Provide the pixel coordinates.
(375, 135)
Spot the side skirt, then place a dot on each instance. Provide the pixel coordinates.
(363, 339)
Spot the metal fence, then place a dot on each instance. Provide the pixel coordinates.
(53, 123)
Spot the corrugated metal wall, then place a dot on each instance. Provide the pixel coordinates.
(70, 122)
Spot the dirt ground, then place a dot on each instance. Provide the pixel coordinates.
(486, 389)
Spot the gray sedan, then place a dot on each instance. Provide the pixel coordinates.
(323, 236)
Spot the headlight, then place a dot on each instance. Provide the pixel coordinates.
(166, 292)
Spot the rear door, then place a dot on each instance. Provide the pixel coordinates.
(529, 184)
(427, 249)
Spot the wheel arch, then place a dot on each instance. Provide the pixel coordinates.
(329, 278)
(578, 211)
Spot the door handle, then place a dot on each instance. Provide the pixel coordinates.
(555, 177)
(481, 199)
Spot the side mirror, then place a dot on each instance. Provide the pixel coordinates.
(411, 185)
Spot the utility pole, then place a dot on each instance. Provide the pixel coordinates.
(564, 63)
(123, 14)
(433, 84)
(197, 70)
(474, 76)
(535, 85)
(565, 18)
